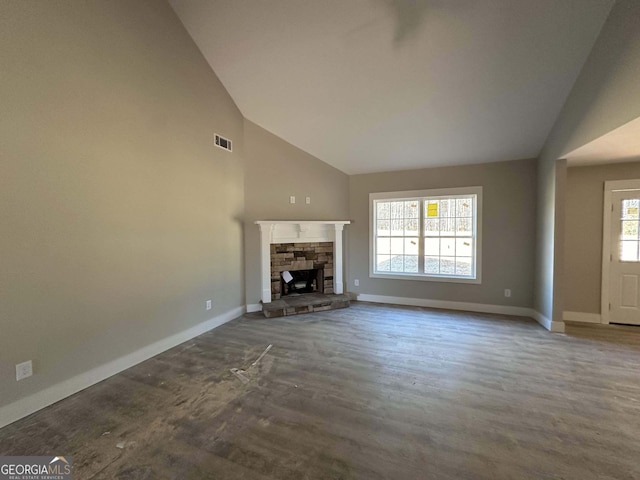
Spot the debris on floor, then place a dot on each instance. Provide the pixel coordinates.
(240, 375)
(262, 355)
(123, 445)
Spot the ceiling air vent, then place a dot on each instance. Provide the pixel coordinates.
(222, 142)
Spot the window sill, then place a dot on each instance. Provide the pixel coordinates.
(426, 278)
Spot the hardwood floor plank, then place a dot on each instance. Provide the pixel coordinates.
(369, 392)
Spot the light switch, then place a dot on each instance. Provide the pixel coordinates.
(292, 199)
(308, 200)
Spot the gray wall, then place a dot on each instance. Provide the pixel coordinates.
(508, 232)
(543, 295)
(606, 95)
(583, 232)
(276, 170)
(119, 217)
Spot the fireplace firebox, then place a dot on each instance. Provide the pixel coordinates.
(302, 281)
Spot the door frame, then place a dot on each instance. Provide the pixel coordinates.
(610, 187)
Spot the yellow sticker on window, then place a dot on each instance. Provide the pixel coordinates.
(432, 210)
(632, 211)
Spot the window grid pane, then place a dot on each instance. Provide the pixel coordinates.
(450, 219)
(442, 233)
(630, 230)
(397, 236)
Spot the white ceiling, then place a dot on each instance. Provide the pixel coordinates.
(619, 145)
(378, 85)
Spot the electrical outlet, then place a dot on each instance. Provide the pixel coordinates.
(356, 282)
(208, 305)
(292, 199)
(24, 370)
(308, 200)
(507, 292)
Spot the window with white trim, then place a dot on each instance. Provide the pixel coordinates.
(427, 235)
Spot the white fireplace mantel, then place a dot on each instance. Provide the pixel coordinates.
(299, 231)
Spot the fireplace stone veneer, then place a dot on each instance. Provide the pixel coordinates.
(318, 240)
(294, 257)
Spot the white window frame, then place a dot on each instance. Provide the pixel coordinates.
(424, 195)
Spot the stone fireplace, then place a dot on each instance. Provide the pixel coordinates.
(293, 246)
(301, 268)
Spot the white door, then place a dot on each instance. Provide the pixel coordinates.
(624, 273)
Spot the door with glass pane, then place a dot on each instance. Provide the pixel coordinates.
(624, 290)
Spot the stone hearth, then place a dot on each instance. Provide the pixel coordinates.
(307, 303)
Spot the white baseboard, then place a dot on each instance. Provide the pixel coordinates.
(447, 305)
(556, 327)
(582, 317)
(39, 400)
(552, 326)
(254, 307)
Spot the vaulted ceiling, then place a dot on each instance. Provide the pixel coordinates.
(378, 85)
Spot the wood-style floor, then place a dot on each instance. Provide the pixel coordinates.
(369, 392)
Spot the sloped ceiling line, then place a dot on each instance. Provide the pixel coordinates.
(380, 85)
